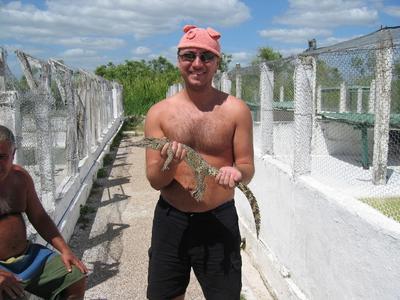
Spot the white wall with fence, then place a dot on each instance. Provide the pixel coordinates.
(64, 121)
(327, 144)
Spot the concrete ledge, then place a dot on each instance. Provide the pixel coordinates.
(69, 207)
(316, 242)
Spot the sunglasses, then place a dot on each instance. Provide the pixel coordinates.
(191, 56)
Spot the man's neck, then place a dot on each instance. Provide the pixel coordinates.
(204, 99)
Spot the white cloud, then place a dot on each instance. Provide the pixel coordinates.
(78, 52)
(329, 13)
(75, 18)
(141, 50)
(290, 51)
(240, 55)
(294, 35)
(243, 58)
(88, 42)
(392, 11)
(12, 47)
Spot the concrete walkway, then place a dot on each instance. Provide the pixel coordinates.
(113, 234)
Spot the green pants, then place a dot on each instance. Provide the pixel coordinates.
(53, 279)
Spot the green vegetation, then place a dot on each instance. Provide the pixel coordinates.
(133, 123)
(283, 76)
(266, 54)
(118, 137)
(224, 62)
(83, 216)
(85, 209)
(395, 105)
(107, 160)
(251, 80)
(329, 76)
(144, 82)
(390, 207)
(101, 173)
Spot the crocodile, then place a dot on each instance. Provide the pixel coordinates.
(201, 169)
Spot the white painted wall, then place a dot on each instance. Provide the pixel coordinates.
(316, 242)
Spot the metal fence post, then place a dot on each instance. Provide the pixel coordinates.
(226, 84)
(319, 99)
(10, 114)
(64, 82)
(3, 55)
(42, 91)
(359, 100)
(267, 118)
(238, 82)
(115, 100)
(384, 62)
(304, 80)
(372, 91)
(343, 98)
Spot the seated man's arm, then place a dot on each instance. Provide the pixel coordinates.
(45, 226)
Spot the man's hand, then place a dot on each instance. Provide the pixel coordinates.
(228, 177)
(70, 259)
(10, 285)
(178, 152)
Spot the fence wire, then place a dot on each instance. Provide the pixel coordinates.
(333, 113)
(58, 116)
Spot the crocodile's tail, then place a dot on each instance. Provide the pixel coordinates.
(253, 204)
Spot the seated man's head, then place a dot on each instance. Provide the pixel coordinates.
(7, 151)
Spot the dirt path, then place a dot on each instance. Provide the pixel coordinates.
(113, 234)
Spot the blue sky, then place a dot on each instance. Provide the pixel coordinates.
(87, 34)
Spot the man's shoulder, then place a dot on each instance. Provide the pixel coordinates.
(236, 103)
(19, 172)
(164, 105)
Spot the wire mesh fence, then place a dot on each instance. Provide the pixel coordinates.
(58, 115)
(333, 113)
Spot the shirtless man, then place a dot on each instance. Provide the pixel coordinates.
(59, 274)
(186, 233)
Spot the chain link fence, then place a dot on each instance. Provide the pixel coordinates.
(59, 116)
(332, 113)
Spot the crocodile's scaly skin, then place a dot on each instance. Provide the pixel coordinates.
(201, 169)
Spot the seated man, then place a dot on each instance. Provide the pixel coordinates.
(24, 265)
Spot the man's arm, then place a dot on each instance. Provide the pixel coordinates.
(10, 285)
(154, 158)
(45, 226)
(243, 168)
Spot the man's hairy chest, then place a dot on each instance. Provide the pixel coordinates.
(208, 132)
(12, 198)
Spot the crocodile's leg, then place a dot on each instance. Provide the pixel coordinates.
(200, 186)
(170, 156)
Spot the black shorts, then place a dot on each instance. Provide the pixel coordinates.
(208, 242)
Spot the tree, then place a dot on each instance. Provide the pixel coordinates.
(224, 62)
(266, 54)
(161, 65)
(144, 82)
